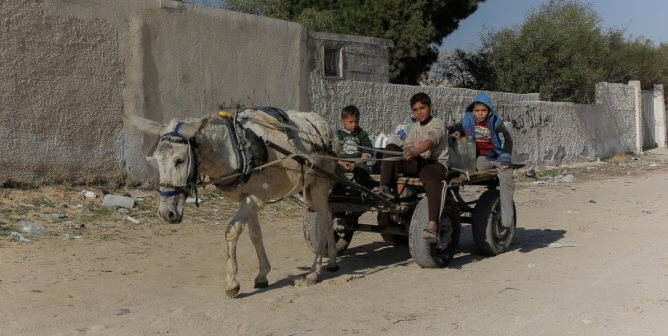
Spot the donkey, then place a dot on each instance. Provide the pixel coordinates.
(206, 146)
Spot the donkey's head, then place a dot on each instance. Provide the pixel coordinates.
(175, 157)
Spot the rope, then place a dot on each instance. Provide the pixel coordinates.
(463, 172)
(276, 124)
(305, 156)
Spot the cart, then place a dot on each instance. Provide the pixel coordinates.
(407, 216)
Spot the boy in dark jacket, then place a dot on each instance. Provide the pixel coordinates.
(493, 146)
(351, 137)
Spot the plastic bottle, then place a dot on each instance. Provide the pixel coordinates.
(381, 141)
(471, 152)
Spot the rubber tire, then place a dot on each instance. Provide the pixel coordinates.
(486, 216)
(424, 253)
(342, 239)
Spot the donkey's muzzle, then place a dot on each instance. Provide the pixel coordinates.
(171, 216)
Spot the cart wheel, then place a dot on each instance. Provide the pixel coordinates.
(394, 240)
(490, 236)
(342, 238)
(430, 255)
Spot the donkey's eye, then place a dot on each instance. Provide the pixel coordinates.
(178, 162)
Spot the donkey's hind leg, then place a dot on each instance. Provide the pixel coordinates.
(318, 197)
(255, 233)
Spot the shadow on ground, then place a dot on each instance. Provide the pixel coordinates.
(363, 260)
(525, 241)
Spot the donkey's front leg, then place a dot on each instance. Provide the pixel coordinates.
(234, 229)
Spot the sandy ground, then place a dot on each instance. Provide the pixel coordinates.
(121, 278)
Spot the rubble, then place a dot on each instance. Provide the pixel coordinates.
(114, 202)
(17, 236)
(88, 194)
(32, 228)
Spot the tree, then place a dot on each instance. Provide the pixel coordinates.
(415, 26)
(560, 51)
(461, 69)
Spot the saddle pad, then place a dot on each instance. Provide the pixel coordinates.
(275, 112)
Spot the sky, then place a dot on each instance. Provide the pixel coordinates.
(646, 18)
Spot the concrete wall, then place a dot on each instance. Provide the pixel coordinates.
(543, 132)
(61, 86)
(654, 117)
(71, 70)
(660, 129)
(619, 106)
(384, 105)
(364, 58)
(194, 60)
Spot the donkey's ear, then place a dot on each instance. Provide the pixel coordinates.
(144, 125)
(191, 127)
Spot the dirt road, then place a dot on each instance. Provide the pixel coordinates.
(159, 279)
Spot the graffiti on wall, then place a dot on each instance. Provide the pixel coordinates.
(527, 119)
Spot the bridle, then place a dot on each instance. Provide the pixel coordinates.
(193, 161)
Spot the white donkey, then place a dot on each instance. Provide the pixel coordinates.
(207, 146)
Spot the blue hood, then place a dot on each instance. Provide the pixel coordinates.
(493, 121)
(484, 99)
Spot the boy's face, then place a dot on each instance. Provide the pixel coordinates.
(421, 112)
(350, 123)
(480, 111)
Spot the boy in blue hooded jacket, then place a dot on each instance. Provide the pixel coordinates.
(493, 146)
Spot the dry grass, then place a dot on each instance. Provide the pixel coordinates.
(618, 158)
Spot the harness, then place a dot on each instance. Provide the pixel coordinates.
(248, 147)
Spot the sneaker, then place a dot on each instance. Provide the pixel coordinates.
(429, 235)
(385, 191)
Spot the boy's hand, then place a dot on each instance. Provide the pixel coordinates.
(422, 143)
(455, 134)
(347, 166)
(410, 153)
(504, 167)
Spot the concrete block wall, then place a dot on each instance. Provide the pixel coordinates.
(364, 58)
(543, 132)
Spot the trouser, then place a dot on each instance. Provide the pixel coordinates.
(431, 173)
(507, 187)
(361, 175)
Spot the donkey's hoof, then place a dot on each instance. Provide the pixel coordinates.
(311, 279)
(232, 292)
(332, 268)
(261, 284)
